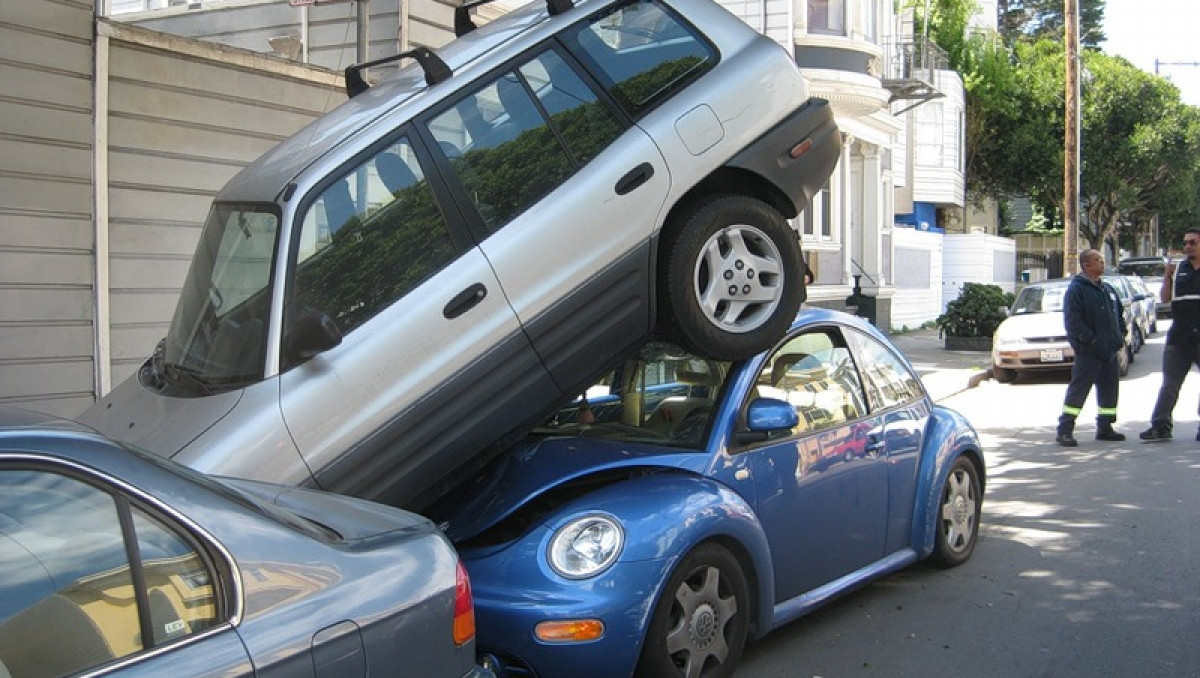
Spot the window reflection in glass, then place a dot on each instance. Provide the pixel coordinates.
(642, 52)
(889, 382)
(502, 149)
(62, 568)
(827, 16)
(585, 124)
(68, 601)
(816, 375)
(370, 238)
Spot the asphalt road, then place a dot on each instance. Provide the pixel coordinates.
(1087, 563)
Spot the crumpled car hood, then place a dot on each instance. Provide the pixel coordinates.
(536, 466)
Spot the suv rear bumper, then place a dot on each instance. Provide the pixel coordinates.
(798, 154)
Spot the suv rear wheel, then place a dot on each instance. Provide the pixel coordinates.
(733, 278)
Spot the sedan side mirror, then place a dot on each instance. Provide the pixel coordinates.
(311, 332)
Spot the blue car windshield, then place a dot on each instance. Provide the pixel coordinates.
(663, 396)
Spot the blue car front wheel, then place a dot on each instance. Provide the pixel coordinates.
(700, 623)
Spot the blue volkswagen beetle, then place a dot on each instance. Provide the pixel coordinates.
(705, 503)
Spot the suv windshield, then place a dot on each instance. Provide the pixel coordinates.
(217, 338)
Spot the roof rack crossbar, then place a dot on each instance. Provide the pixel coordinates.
(435, 69)
(462, 14)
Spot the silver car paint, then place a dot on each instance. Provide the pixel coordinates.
(343, 399)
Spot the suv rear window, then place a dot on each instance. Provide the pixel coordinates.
(641, 52)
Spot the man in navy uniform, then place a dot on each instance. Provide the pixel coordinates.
(1180, 288)
(1095, 323)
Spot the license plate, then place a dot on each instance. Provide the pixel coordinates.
(1052, 355)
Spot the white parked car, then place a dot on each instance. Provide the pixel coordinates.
(1034, 336)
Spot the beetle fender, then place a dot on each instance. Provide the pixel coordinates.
(666, 515)
(949, 436)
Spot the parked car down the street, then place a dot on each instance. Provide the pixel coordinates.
(1147, 302)
(1138, 308)
(1151, 271)
(706, 503)
(119, 562)
(432, 266)
(1034, 336)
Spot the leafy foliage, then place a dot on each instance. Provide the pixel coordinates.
(977, 311)
(1038, 19)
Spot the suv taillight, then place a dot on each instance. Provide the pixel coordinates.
(464, 607)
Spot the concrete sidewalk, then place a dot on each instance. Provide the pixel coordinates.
(943, 372)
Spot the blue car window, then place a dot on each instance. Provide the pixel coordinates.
(889, 382)
(814, 372)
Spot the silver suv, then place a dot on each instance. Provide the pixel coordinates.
(428, 269)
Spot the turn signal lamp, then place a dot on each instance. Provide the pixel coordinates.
(569, 631)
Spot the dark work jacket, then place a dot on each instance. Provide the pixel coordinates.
(1094, 317)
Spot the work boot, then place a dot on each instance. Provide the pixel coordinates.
(1066, 439)
(1156, 434)
(1107, 433)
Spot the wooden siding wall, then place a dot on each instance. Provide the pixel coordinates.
(46, 204)
(184, 116)
(332, 28)
(176, 119)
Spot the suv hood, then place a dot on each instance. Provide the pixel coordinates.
(537, 466)
(160, 424)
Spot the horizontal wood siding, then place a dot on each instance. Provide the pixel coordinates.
(46, 264)
(181, 123)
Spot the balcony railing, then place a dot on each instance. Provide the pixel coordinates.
(910, 70)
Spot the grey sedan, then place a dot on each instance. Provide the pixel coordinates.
(116, 562)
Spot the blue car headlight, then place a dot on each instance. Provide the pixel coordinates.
(585, 546)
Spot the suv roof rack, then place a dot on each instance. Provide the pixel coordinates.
(435, 69)
(462, 14)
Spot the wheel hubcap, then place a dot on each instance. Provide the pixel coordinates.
(739, 278)
(702, 617)
(958, 511)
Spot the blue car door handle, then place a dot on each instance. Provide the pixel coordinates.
(634, 178)
(464, 301)
(874, 444)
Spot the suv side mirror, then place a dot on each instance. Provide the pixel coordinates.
(311, 332)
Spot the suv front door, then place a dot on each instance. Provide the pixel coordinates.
(431, 349)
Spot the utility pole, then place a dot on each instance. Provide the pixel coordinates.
(1071, 142)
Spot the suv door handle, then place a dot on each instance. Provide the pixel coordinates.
(634, 178)
(464, 301)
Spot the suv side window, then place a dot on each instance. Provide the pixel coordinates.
(371, 237)
(503, 149)
(641, 52)
(70, 598)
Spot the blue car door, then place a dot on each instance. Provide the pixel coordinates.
(821, 490)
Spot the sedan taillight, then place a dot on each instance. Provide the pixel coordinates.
(464, 607)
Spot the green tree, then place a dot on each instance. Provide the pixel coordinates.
(1033, 20)
(1139, 147)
